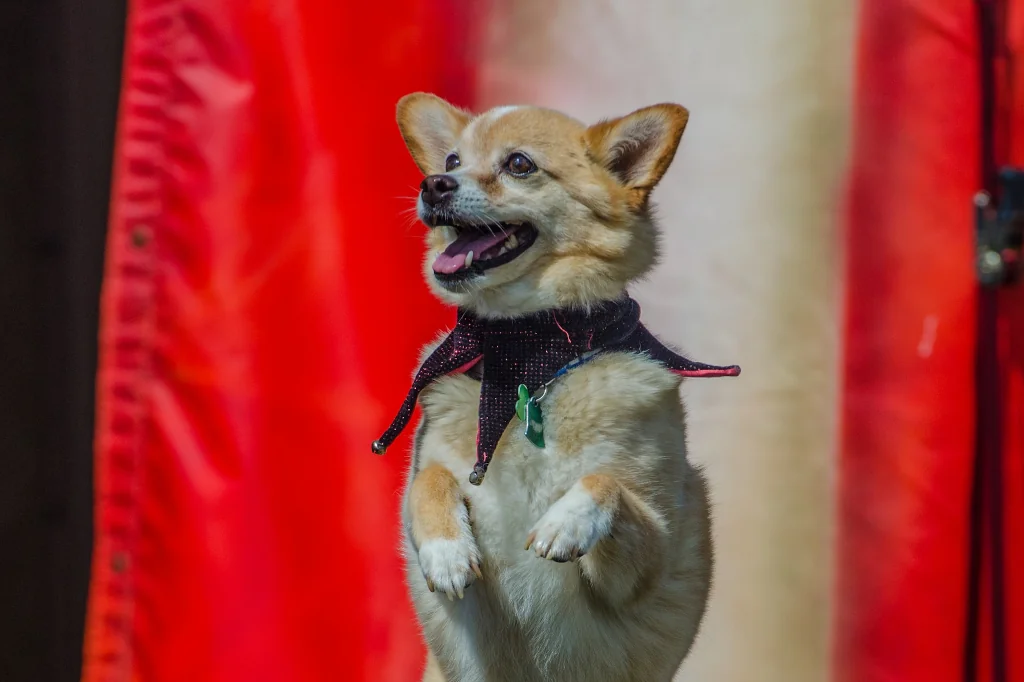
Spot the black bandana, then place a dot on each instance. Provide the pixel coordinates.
(529, 350)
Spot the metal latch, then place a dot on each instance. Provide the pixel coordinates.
(1000, 227)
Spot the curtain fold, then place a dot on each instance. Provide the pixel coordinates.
(262, 311)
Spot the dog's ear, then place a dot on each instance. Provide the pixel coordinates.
(430, 126)
(638, 148)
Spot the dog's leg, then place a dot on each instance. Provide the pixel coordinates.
(446, 549)
(618, 538)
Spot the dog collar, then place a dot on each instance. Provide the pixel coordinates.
(529, 351)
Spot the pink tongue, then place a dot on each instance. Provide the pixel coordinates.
(454, 257)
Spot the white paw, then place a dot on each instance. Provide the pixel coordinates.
(571, 527)
(450, 565)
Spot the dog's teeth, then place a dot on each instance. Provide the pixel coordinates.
(469, 259)
(502, 250)
(512, 242)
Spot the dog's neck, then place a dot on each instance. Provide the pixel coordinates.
(574, 327)
(568, 322)
(526, 352)
(535, 295)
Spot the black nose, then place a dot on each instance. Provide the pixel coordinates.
(436, 189)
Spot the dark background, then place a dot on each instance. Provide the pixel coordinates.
(61, 62)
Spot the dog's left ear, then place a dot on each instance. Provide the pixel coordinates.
(638, 148)
(430, 127)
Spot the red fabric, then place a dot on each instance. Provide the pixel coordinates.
(262, 312)
(908, 403)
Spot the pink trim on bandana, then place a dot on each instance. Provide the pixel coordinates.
(469, 365)
(696, 373)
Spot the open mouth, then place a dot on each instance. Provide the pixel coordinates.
(478, 248)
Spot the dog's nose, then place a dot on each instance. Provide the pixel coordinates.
(437, 189)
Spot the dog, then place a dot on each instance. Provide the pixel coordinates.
(586, 555)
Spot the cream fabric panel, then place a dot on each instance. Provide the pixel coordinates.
(751, 272)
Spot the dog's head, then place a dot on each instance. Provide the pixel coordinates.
(530, 209)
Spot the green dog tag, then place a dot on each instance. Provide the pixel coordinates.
(528, 410)
(524, 398)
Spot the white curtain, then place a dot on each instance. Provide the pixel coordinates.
(751, 272)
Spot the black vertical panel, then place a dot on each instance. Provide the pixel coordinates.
(61, 63)
(24, 256)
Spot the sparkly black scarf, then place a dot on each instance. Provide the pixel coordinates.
(529, 350)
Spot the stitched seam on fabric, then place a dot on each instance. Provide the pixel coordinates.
(127, 331)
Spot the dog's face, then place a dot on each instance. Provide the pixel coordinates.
(530, 209)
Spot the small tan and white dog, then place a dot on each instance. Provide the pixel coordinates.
(532, 211)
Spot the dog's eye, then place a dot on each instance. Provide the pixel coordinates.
(451, 163)
(519, 164)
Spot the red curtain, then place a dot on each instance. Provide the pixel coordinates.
(262, 313)
(263, 308)
(906, 464)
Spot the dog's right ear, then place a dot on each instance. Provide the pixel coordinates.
(430, 127)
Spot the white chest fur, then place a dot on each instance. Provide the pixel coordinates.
(629, 609)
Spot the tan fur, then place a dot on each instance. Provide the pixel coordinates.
(612, 143)
(614, 579)
(432, 500)
(597, 234)
(437, 124)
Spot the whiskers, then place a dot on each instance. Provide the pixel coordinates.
(490, 221)
(411, 215)
(479, 219)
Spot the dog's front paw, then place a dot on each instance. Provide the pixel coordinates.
(450, 565)
(571, 527)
